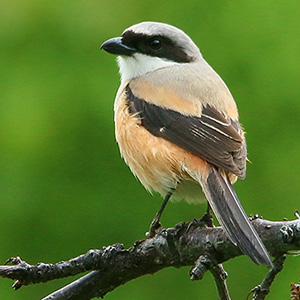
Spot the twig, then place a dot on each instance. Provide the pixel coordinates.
(220, 276)
(80, 289)
(261, 291)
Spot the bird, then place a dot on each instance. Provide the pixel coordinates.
(177, 127)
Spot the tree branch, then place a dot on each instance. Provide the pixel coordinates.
(185, 245)
(261, 291)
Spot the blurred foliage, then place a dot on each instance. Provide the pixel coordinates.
(64, 188)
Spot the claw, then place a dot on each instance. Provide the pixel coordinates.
(155, 225)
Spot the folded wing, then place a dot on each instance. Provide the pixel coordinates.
(213, 136)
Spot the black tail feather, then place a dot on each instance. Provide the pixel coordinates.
(230, 213)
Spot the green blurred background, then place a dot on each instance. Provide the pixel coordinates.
(63, 186)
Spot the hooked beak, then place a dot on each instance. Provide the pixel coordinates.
(116, 46)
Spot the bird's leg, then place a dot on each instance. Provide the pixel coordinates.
(155, 224)
(207, 219)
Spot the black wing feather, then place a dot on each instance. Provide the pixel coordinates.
(212, 136)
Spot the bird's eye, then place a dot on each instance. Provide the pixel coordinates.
(155, 44)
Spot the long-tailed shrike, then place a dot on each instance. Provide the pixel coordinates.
(178, 128)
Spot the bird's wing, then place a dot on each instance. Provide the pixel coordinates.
(212, 136)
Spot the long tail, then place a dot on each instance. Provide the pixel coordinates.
(230, 213)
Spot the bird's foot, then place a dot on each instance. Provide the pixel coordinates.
(207, 219)
(154, 227)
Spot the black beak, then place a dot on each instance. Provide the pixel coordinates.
(116, 46)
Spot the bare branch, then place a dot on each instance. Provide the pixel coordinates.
(183, 245)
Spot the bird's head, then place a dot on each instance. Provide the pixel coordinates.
(148, 46)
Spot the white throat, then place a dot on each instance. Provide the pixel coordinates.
(139, 64)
